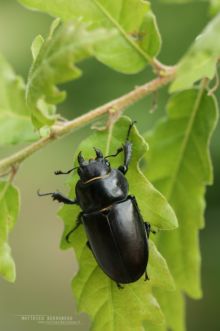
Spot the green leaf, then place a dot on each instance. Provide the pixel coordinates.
(96, 294)
(214, 7)
(36, 46)
(54, 63)
(15, 123)
(214, 4)
(179, 1)
(173, 306)
(137, 40)
(9, 209)
(179, 166)
(201, 59)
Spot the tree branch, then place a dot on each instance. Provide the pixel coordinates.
(58, 131)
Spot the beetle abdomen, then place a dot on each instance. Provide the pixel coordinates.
(118, 240)
(101, 192)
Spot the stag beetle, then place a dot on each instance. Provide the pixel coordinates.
(117, 234)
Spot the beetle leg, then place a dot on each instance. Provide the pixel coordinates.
(148, 229)
(127, 147)
(88, 245)
(78, 223)
(59, 197)
(129, 129)
(119, 286)
(146, 224)
(146, 276)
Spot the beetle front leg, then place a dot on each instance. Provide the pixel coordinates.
(127, 147)
(59, 197)
(78, 223)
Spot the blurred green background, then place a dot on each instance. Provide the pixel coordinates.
(44, 272)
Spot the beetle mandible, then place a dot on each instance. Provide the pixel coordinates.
(117, 234)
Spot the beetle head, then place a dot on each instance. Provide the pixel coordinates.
(92, 168)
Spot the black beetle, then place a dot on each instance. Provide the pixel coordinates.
(117, 234)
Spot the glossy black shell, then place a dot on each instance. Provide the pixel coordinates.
(118, 240)
(102, 192)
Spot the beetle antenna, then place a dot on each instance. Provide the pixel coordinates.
(119, 150)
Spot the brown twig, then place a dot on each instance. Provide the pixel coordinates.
(58, 131)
